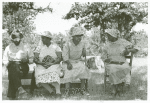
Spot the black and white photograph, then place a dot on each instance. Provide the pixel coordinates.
(74, 50)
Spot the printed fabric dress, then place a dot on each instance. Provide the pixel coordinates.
(117, 73)
(73, 53)
(51, 74)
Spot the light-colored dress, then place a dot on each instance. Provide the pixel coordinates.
(117, 73)
(73, 53)
(51, 74)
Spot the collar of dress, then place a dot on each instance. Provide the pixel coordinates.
(74, 44)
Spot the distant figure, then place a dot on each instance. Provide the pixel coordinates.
(115, 62)
(16, 58)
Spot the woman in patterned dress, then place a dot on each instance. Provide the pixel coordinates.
(114, 57)
(73, 65)
(48, 72)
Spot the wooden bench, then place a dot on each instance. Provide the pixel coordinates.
(29, 79)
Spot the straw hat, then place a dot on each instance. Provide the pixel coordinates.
(47, 34)
(113, 32)
(76, 31)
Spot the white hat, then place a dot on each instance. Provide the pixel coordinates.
(113, 32)
(47, 34)
(76, 31)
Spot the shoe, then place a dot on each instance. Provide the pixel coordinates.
(85, 93)
(21, 94)
(58, 96)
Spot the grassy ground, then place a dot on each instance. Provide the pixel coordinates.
(138, 89)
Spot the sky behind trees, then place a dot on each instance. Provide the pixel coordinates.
(53, 22)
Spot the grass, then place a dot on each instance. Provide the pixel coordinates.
(138, 88)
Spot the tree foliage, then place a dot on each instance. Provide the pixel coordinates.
(105, 14)
(20, 15)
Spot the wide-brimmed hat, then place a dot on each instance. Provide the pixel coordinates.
(47, 34)
(76, 31)
(13, 33)
(113, 32)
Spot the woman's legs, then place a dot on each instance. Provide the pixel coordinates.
(67, 89)
(67, 86)
(83, 82)
(14, 80)
(57, 87)
(128, 79)
(47, 87)
(55, 84)
(83, 87)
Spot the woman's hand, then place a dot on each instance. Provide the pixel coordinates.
(46, 65)
(126, 52)
(36, 60)
(69, 65)
(24, 60)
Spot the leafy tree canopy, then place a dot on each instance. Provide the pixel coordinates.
(104, 14)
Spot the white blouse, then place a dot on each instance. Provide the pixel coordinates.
(16, 53)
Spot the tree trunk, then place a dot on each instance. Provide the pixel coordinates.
(102, 30)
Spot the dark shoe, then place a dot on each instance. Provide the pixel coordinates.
(58, 96)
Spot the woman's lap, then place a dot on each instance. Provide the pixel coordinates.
(79, 71)
(49, 75)
(117, 73)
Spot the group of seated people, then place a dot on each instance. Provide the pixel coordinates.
(50, 68)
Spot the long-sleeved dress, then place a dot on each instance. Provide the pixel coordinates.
(117, 73)
(73, 53)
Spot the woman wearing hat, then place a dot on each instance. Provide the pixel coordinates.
(48, 68)
(73, 66)
(115, 61)
(16, 57)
